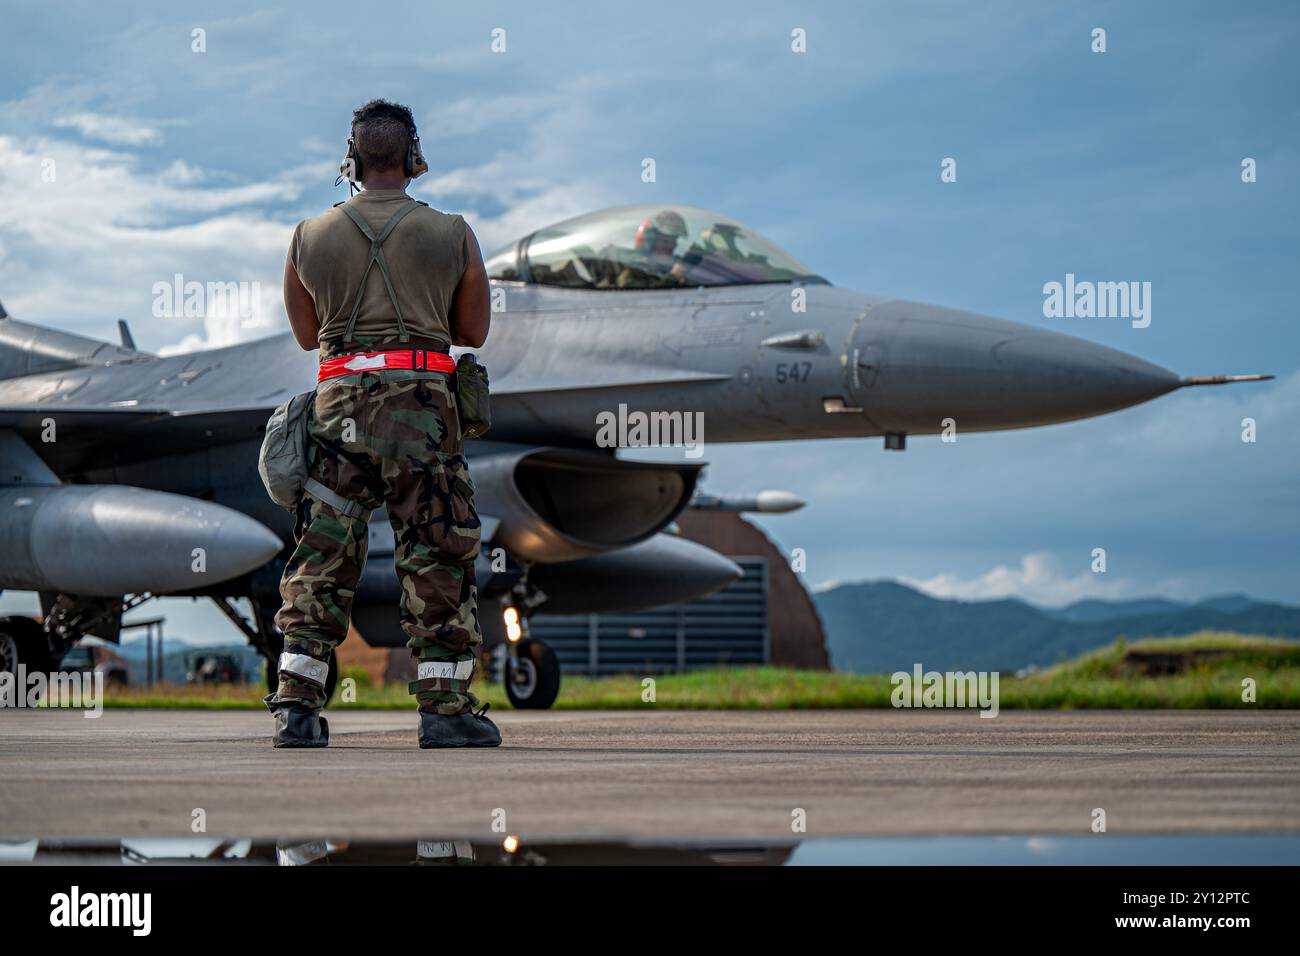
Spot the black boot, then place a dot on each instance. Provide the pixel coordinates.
(298, 725)
(466, 729)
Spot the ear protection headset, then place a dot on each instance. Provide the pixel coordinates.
(415, 167)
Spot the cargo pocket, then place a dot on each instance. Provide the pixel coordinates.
(456, 530)
(341, 416)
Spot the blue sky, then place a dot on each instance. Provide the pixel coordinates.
(1122, 165)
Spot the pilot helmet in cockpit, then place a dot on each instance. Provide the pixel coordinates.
(658, 234)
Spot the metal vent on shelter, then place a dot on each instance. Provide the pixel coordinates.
(725, 629)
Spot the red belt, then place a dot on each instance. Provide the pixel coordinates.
(417, 359)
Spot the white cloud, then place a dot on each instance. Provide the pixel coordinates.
(182, 173)
(223, 324)
(1038, 579)
(88, 247)
(543, 178)
(529, 201)
(118, 130)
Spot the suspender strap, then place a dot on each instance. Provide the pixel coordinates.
(377, 258)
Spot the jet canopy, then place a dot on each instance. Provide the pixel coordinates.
(646, 247)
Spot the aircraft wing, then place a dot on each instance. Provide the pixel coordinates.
(73, 438)
(605, 378)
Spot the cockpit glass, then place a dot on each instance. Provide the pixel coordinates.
(652, 247)
(504, 264)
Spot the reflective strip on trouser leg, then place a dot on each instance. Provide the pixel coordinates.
(304, 667)
(445, 676)
(445, 850)
(301, 854)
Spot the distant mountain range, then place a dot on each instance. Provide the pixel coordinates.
(884, 626)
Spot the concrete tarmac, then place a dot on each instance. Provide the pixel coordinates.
(654, 774)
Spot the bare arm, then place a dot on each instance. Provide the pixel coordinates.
(469, 306)
(301, 308)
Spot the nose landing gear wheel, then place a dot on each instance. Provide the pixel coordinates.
(532, 676)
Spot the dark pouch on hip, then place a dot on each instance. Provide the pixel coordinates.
(472, 397)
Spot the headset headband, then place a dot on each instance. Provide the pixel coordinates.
(415, 166)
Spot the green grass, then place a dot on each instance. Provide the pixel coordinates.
(1110, 678)
(1106, 678)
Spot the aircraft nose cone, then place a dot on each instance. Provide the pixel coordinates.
(1072, 378)
(988, 373)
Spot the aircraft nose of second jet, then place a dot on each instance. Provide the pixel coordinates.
(984, 373)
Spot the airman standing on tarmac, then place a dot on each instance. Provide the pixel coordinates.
(385, 431)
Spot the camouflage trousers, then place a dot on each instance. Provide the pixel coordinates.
(389, 438)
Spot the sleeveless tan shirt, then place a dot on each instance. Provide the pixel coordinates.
(426, 258)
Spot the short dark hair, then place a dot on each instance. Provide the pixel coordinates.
(381, 134)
